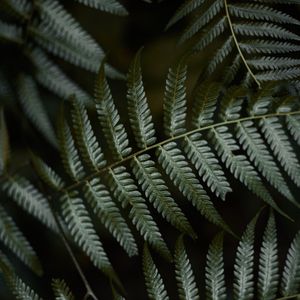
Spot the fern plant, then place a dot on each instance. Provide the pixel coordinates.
(37, 29)
(257, 38)
(136, 177)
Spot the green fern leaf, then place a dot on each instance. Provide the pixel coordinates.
(175, 101)
(88, 145)
(260, 13)
(51, 77)
(109, 215)
(268, 263)
(214, 271)
(176, 166)
(30, 199)
(157, 192)
(293, 124)
(281, 146)
(291, 274)
(268, 47)
(17, 8)
(154, 283)
(61, 290)
(81, 229)
(46, 173)
(186, 284)
(69, 153)
(13, 238)
(17, 286)
(205, 161)
(139, 113)
(125, 190)
(109, 118)
(4, 144)
(243, 286)
(34, 108)
(202, 20)
(110, 6)
(239, 165)
(253, 144)
(205, 104)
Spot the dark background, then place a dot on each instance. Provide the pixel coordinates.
(121, 37)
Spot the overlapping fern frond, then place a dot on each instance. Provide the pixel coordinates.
(40, 28)
(220, 137)
(264, 282)
(255, 35)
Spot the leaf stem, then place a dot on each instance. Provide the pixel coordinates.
(288, 297)
(237, 44)
(154, 146)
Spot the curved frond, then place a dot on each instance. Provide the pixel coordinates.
(30, 199)
(15, 240)
(154, 283)
(291, 274)
(268, 262)
(61, 290)
(184, 274)
(214, 271)
(139, 113)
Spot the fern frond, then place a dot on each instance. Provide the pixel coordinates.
(47, 174)
(268, 262)
(175, 100)
(243, 285)
(82, 230)
(14, 239)
(239, 165)
(185, 278)
(252, 142)
(176, 166)
(139, 113)
(293, 124)
(291, 274)
(205, 104)
(202, 20)
(249, 29)
(259, 12)
(33, 107)
(158, 194)
(111, 6)
(109, 118)
(51, 77)
(125, 190)
(88, 145)
(205, 161)
(214, 271)
(4, 144)
(19, 289)
(19, 9)
(281, 146)
(61, 290)
(69, 152)
(109, 215)
(30, 199)
(154, 283)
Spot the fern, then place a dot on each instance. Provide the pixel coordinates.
(243, 287)
(255, 37)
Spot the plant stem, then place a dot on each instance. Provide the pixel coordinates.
(288, 297)
(237, 44)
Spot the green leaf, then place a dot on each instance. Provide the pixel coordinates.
(138, 110)
(185, 278)
(61, 290)
(268, 262)
(214, 271)
(4, 144)
(291, 274)
(154, 283)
